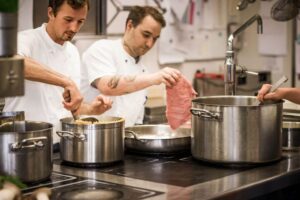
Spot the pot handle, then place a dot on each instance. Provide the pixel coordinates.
(134, 135)
(30, 143)
(205, 113)
(79, 136)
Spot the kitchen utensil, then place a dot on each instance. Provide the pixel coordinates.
(86, 144)
(28, 154)
(291, 135)
(157, 139)
(233, 130)
(284, 10)
(68, 99)
(89, 119)
(275, 86)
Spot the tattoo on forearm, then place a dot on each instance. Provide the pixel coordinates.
(113, 82)
(130, 78)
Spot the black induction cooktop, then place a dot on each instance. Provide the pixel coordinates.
(68, 187)
(178, 169)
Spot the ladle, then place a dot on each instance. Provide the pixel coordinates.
(76, 117)
(89, 119)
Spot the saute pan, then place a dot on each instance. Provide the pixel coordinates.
(157, 139)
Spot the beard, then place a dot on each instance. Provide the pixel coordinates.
(68, 36)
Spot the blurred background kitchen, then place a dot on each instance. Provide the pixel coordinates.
(195, 40)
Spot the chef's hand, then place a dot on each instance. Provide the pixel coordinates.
(168, 76)
(100, 105)
(264, 94)
(72, 97)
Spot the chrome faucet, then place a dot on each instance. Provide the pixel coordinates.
(230, 65)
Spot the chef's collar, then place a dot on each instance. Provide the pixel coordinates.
(133, 59)
(137, 59)
(52, 45)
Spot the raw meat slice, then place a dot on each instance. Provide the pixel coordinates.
(179, 103)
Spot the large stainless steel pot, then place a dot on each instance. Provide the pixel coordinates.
(291, 135)
(28, 154)
(101, 143)
(157, 139)
(236, 130)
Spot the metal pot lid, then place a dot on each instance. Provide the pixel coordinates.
(91, 193)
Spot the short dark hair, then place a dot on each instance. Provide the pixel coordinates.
(138, 13)
(75, 4)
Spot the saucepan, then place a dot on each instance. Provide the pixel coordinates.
(157, 139)
(86, 143)
(26, 154)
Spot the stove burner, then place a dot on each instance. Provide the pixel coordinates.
(55, 179)
(67, 187)
(99, 190)
(91, 193)
(89, 165)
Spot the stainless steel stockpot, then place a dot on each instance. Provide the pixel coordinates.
(28, 154)
(157, 139)
(236, 130)
(92, 143)
(291, 135)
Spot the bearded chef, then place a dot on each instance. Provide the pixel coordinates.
(115, 68)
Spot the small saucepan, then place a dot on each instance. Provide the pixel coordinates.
(157, 139)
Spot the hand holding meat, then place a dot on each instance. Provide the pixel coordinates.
(168, 76)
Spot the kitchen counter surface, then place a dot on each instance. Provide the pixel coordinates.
(233, 183)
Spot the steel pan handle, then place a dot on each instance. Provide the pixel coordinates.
(205, 113)
(80, 136)
(134, 136)
(30, 143)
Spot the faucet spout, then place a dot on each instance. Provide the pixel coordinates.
(230, 66)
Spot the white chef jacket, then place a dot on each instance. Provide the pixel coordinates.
(108, 58)
(43, 102)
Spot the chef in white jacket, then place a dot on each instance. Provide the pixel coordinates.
(53, 60)
(115, 67)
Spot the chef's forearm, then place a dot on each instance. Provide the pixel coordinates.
(120, 85)
(84, 109)
(37, 72)
(291, 94)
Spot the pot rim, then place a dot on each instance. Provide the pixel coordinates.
(181, 136)
(29, 121)
(113, 124)
(266, 103)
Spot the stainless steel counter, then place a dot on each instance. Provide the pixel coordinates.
(243, 184)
